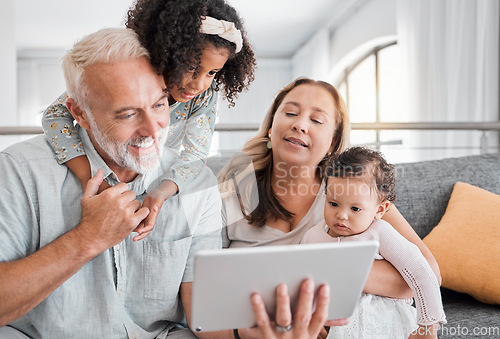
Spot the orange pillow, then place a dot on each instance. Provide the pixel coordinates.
(466, 243)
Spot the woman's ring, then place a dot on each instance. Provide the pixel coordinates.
(283, 328)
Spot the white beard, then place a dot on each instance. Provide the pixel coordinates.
(119, 154)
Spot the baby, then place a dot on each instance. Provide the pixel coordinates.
(360, 187)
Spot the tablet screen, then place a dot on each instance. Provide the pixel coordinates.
(224, 280)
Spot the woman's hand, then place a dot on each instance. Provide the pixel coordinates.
(303, 324)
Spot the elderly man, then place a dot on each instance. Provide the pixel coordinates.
(68, 264)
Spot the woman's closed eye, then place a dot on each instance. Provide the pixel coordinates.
(316, 121)
(290, 114)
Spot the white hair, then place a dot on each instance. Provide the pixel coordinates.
(104, 46)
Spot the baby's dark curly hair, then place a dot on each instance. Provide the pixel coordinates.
(170, 31)
(362, 161)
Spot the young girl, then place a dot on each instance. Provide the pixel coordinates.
(201, 48)
(359, 190)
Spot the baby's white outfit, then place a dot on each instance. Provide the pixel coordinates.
(382, 317)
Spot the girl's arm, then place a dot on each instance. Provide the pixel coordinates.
(57, 124)
(80, 166)
(394, 217)
(197, 137)
(198, 131)
(384, 279)
(409, 261)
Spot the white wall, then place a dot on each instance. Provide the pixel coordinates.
(40, 82)
(376, 18)
(313, 59)
(8, 63)
(41, 78)
(363, 21)
(252, 105)
(8, 80)
(356, 23)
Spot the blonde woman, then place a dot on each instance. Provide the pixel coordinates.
(306, 123)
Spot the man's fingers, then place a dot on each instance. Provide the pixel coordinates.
(141, 213)
(129, 196)
(93, 184)
(134, 207)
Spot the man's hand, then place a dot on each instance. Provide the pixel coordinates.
(108, 217)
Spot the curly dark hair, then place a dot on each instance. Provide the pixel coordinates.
(360, 161)
(170, 31)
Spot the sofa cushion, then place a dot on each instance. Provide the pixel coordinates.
(465, 243)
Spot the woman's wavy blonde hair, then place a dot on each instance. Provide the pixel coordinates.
(262, 157)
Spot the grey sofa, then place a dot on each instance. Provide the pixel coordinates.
(423, 191)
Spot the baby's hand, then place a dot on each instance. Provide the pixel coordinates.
(154, 201)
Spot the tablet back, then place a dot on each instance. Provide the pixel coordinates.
(225, 279)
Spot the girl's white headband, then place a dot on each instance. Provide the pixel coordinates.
(224, 29)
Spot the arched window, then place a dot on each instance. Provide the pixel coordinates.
(371, 81)
(371, 87)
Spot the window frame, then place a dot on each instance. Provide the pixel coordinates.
(344, 79)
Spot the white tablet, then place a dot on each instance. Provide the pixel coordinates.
(225, 279)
